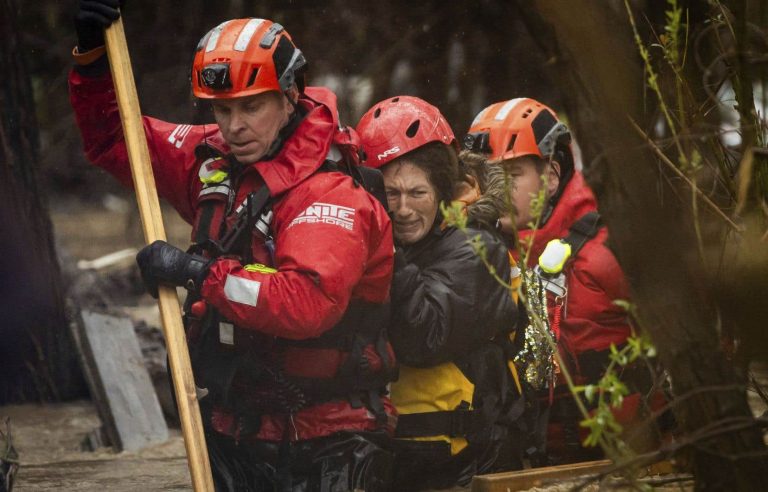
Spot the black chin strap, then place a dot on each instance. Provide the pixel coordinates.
(294, 120)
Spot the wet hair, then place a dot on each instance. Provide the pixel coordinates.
(492, 204)
(441, 165)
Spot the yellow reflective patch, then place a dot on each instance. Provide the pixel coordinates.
(553, 259)
(259, 268)
(215, 177)
(432, 389)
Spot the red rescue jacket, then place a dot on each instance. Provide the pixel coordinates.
(332, 240)
(595, 280)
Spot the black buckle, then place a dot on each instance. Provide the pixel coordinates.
(459, 423)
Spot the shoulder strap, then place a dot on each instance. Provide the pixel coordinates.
(255, 205)
(247, 217)
(581, 231)
(371, 179)
(373, 182)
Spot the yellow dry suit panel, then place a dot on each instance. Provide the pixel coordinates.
(433, 389)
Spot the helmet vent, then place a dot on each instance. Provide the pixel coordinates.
(395, 100)
(252, 78)
(377, 113)
(512, 142)
(525, 115)
(410, 132)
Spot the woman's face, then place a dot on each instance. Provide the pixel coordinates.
(412, 200)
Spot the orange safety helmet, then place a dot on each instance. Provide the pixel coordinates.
(398, 125)
(515, 128)
(244, 57)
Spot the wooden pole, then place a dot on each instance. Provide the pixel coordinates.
(152, 223)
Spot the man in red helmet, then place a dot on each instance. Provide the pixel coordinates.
(565, 241)
(289, 271)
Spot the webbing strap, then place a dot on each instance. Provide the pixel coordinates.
(581, 231)
(255, 205)
(371, 179)
(453, 423)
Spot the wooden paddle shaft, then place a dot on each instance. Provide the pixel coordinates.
(152, 223)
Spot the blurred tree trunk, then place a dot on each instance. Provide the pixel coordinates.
(38, 358)
(600, 72)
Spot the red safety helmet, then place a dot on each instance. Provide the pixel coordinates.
(515, 128)
(398, 125)
(244, 57)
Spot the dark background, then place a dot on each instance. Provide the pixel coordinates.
(459, 56)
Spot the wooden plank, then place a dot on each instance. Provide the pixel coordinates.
(122, 389)
(152, 223)
(535, 477)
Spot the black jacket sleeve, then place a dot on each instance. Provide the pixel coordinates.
(446, 303)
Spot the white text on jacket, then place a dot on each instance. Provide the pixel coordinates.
(326, 213)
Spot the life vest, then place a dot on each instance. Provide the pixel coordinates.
(439, 403)
(250, 374)
(551, 274)
(435, 404)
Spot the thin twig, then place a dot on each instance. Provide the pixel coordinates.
(669, 450)
(674, 168)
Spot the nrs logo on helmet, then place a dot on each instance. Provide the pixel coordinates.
(394, 150)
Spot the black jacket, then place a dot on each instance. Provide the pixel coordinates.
(445, 302)
(447, 307)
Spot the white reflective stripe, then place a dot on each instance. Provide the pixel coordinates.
(515, 272)
(244, 39)
(177, 135)
(242, 290)
(214, 189)
(214, 39)
(334, 154)
(172, 137)
(479, 116)
(181, 135)
(227, 333)
(184, 131)
(504, 111)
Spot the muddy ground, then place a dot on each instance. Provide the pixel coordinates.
(49, 442)
(49, 438)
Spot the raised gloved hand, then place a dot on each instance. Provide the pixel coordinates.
(162, 263)
(404, 276)
(92, 17)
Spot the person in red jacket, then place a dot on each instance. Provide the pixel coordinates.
(533, 146)
(291, 262)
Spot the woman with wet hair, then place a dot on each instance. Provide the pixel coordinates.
(448, 312)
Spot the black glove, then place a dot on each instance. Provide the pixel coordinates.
(92, 17)
(404, 277)
(162, 263)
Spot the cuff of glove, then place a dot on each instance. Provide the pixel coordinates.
(198, 271)
(88, 57)
(91, 63)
